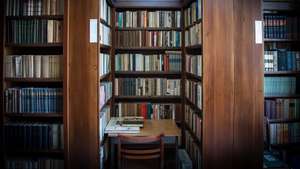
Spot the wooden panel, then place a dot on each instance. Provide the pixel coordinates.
(83, 89)
(218, 59)
(248, 92)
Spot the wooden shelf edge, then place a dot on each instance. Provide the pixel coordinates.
(23, 45)
(194, 107)
(105, 77)
(142, 49)
(193, 77)
(281, 96)
(148, 29)
(282, 73)
(280, 40)
(193, 24)
(283, 120)
(148, 74)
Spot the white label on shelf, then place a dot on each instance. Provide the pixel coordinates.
(93, 31)
(258, 32)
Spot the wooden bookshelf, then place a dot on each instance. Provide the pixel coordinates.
(196, 140)
(197, 110)
(283, 73)
(34, 80)
(147, 49)
(34, 115)
(266, 40)
(193, 24)
(193, 77)
(283, 120)
(148, 29)
(152, 99)
(282, 96)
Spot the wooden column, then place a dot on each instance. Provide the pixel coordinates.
(233, 82)
(82, 119)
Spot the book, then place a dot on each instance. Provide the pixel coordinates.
(104, 117)
(33, 100)
(193, 92)
(281, 86)
(37, 163)
(193, 150)
(281, 60)
(105, 11)
(193, 120)
(194, 64)
(282, 109)
(148, 110)
(278, 26)
(33, 136)
(105, 93)
(104, 64)
(147, 87)
(114, 127)
(34, 7)
(105, 35)
(284, 133)
(152, 19)
(132, 121)
(135, 39)
(33, 66)
(193, 13)
(193, 35)
(34, 31)
(170, 61)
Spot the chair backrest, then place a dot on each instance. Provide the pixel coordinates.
(135, 147)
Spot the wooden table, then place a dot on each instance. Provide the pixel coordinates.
(151, 128)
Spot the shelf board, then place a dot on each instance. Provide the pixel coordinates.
(284, 146)
(282, 96)
(105, 77)
(279, 6)
(193, 24)
(152, 99)
(196, 140)
(34, 115)
(147, 74)
(282, 73)
(193, 77)
(283, 120)
(104, 23)
(149, 29)
(107, 103)
(48, 17)
(34, 80)
(23, 45)
(148, 49)
(194, 107)
(281, 40)
(194, 49)
(104, 47)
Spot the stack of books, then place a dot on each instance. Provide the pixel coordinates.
(124, 125)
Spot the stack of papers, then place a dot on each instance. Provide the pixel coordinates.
(115, 126)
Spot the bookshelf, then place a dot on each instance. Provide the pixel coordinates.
(33, 83)
(282, 61)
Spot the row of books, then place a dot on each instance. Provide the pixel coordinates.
(171, 61)
(147, 87)
(104, 116)
(193, 13)
(153, 19)
(284, 133)
(34, 163)
(34, 136)
(33, 66)
(281, 26)
(282, 109)
(33, 100)
(280, 85)
(105, 11)
(34, 31)
(194, 64)
(104, 64)
(193, 121)
(193, 150)
(193, 36)
(148, 39)
(105, 93)
(34, 7)
(193, 91)
(105, 35)
(282, 60)
(148, 110)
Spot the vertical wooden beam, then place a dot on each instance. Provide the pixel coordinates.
(218, 59)
(83, 140)
(248, 82)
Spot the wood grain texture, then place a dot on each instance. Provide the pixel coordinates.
(83, 85)
(218, 59)
(233, 82)
(248, 87)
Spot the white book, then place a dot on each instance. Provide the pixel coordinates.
(50, 31)
(37, 66)
(18, 66)
(30, 66)
(45, 66)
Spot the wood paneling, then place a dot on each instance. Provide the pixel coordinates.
(82, 120)
(248, 86)
(233, 81)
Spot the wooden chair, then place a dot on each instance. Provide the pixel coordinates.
(140, 148)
